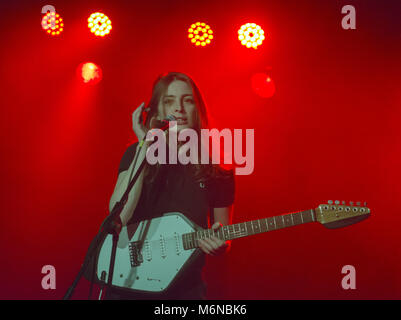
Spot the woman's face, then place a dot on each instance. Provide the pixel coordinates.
(179, 102)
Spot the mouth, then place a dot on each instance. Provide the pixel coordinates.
(181, 121)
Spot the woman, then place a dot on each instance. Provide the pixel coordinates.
(194, 189)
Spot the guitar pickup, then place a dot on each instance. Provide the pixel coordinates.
(135, 254)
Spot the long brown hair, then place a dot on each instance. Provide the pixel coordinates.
(201, 172)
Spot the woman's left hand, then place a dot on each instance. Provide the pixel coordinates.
(214, 246)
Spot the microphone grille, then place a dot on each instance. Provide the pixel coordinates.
(171, 118)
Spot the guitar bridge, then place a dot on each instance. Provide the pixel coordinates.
(135, 254)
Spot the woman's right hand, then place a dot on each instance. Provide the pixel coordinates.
(137, 124)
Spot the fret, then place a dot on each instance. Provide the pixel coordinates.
(218, 234)
(307, 217)
(252, 227)
(249, 227)
(225, 233)
(237, 230)
(297, 218)
(255, 226)
(242, 227)
(264, 226)
(192, 240)
(287, 220)
(312, 213)
(184, 241)
(232, 232)
(241, 230)
(279, 222)
(251, 224)
(271, 223)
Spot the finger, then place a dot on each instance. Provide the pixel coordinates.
(139, 109)
(205, 250)
(213, 245)
(218, 241)
(137, 114)
(217, 225)
(205, 246)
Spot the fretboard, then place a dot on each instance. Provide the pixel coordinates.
(244, 229)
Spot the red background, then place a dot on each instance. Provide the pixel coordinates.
(331, 131)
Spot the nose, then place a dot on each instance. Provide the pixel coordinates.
(179, 107)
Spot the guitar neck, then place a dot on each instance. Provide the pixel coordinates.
(249, 228)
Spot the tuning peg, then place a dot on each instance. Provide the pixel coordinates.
(351, 203)
(343, 202)
(358, 203)
(330, 202)
(365, 204)
(337, 202)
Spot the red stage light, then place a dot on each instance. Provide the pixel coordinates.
(200, 34)
(99, 24)
(263, 85)
(251, 35)
(52, 23)
(89, 73)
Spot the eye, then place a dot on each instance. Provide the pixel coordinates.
(189, 100)
(168, 101)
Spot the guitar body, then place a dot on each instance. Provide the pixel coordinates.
(149, 255)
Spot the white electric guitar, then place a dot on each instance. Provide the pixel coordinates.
(151, 254)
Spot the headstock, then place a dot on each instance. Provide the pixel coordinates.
(336, 215)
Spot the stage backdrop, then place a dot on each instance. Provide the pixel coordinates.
(331, 131)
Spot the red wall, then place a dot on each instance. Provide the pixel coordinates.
(330, 132)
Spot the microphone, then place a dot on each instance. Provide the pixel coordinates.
(161, 124)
